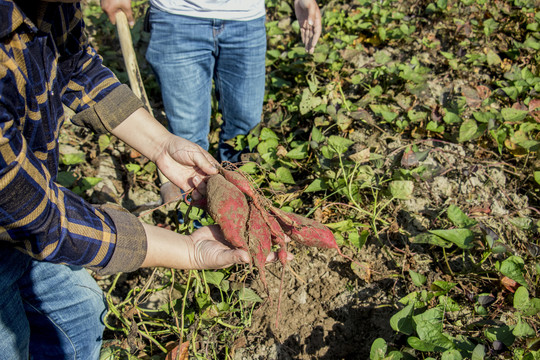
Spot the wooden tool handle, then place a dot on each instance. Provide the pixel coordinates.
(130, 59)
(132, 67)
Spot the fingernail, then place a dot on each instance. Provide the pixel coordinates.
(310, 22)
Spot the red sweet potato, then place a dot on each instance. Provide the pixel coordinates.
(259, 241)
(228, 207)
(306, 231)
(241, 182)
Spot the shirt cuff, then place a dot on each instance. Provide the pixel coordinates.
(110, 111)
(131, 242)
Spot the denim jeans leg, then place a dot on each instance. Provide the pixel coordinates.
(65, 308)
(59, 308)
(240, 80)
(181, 54)
(14, 326)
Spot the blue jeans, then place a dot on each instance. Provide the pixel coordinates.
(48, 311)
(187, 53)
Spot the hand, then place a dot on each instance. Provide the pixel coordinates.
(206, 248)
(212, 251)
(309, 18)
(187, 165)
(184, 163)
(111, 7)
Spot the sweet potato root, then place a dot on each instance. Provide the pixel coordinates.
(228, 207)
(250, 222)
(259, 241)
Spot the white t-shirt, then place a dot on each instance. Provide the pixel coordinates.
(240, 10)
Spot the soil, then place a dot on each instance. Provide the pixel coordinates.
(329, 310)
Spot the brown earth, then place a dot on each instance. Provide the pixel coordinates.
(327, 311)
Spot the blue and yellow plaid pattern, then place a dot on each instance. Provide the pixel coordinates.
(46, 62)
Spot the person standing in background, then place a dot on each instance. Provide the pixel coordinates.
(195, 42)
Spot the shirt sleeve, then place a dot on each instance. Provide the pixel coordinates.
(49, 222)
(96, 96)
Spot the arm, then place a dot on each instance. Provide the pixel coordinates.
(206, 248)
(309, 18)
(181, 161)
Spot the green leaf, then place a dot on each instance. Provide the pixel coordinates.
(327, 152)
(401, 189)
(522, 329)
(420, 345)
(344, 225)
(442, 287)
(308, 102)
(249, 168)
(317, 185)
(203, 300)
(532, 43)
(317, 135)
(103, 141)
(150, 167)
(461, 237)
(526, 305)
(253, 141)
(435, 127)
(537, 177)
(451, 118)
(459, 218)
(133, 168)
(417, 278)
(267, 134)
(267, 146)
(402, 320)
(66, 178)
(378, 349)
(501, 333)
(493, 58)
(246, 294)
(284, 175)
(513, 115)
(72, 159)
(521, 223)
(299, 152)
(427, 238)
(448, 304)
(429, 326)
(451, 354)
(89, 181)
(513, 268)
(214, 277)
(467, 130)
(358, 239)
(339, 143)
(479, 352)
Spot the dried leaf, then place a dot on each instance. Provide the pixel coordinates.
(483, 92)
(361, 156)
(180, 352)
(472, 97)
(509, 284)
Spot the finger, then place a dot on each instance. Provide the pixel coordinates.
(205, 162)
(129, 15)
(315, 17)
(273, 257)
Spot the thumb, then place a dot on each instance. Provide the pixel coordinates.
(236, 256)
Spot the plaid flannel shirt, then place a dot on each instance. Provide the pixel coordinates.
(45, 63)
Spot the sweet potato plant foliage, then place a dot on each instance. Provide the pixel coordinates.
(410, 137)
